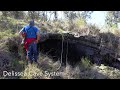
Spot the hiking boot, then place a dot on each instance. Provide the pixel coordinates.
(36, 62)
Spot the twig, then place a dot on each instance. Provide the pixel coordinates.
(67, 53)
(61, 53)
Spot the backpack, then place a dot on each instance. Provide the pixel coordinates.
(25, 36)
(28, 29)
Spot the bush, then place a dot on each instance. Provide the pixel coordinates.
(93, 30)
(13, 45)
(79, 22)
(6, 34)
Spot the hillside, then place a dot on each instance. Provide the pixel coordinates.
(51, 58)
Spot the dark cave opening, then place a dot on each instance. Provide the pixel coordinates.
(73, 52)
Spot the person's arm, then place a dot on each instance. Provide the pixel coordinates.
(38, 36)
(22, 32)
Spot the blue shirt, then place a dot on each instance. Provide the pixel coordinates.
(31, 31)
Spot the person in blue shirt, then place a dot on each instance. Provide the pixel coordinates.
(31, 36)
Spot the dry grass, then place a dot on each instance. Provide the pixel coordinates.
(115, 31)
(47, 69)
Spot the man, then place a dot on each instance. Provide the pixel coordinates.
(31, 36)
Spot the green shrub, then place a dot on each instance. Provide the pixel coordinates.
(79, 22)
(6, 33)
